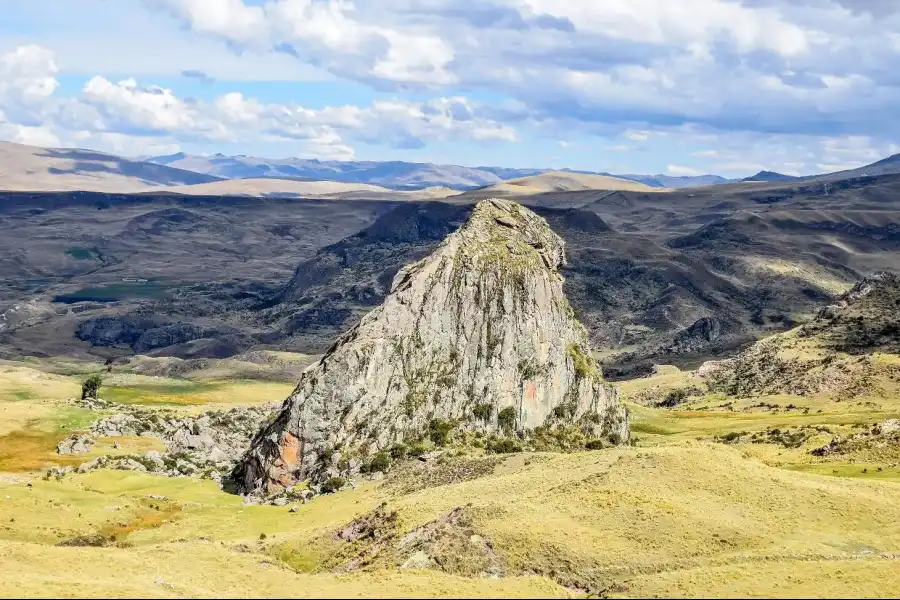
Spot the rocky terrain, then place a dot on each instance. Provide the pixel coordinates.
(477, 333)
(675, 277)
(844, 352)
(207, 445)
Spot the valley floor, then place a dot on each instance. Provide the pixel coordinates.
(710, 502)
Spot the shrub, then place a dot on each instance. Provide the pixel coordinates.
(380, 462)
(333, 484)
(563, 411)
(594, 445)
(731, 437)
(673, 398)
(583, 363)
(482, 412)
(614, 439)
(506, 419)
(90, 387)
(417, 449)
(399, 451)
(439, 430)
(502, 446)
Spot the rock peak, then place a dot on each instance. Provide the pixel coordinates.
(479, 326)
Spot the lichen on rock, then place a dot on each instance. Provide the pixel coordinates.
(482, 321)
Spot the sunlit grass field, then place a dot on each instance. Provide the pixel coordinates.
(678, 515)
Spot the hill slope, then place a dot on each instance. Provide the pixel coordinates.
(291, 188)
(30, 168)
(559, 181)
(391, 174)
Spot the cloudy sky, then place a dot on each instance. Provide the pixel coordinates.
(628, 86)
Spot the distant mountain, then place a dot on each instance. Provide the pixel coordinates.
(31, 168)
(272, 187)
(389, 174)
(885, 166)
(677, 182)
(769, 176)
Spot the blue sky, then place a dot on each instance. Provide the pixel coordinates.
(639, 86)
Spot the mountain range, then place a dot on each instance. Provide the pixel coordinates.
(390, 174)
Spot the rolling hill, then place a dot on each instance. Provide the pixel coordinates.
(390, 174)
(30, 168)
(558, 181)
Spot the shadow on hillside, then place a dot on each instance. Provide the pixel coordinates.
(87, 162)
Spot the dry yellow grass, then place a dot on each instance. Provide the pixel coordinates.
(873, 577)
(671, 517)
(210, 570)
(592, 520)
(561, 181)
(812, 274)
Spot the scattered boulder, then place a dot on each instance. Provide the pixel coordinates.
(75, 444)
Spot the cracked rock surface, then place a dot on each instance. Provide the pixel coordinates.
(481, 322)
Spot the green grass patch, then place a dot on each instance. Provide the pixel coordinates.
(119, 291)
(83, 253)
(197, 393)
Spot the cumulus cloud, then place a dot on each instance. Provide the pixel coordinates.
(678, 170)
(126, 115)
(773, 66)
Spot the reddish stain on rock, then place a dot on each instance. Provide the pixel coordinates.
(530, 390)
(290, 449)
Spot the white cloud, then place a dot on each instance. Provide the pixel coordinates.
(775, 66)
(125, 116)
(680, 171)
(33, 136)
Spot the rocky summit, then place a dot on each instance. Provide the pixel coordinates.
(479, 334)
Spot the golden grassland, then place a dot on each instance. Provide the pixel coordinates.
(677, 515)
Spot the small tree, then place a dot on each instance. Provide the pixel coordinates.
(506, 419)
(90, 387)
(439, 431)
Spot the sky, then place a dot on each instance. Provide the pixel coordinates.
(678, 87)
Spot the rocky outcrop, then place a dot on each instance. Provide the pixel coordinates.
(208, 444)
(481, 323)
(832, 355)
(75, 444)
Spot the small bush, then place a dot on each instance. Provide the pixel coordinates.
(502, 446)
(90, 387)
(594, 445)
(583, 363)
(333, 484)
(506, 419)
(673, 398)
(417, 449)
(731, 437)
(483, 412)
(563, 411)
(614, 438)
(380, 462)
(439, 431)
(399, 451)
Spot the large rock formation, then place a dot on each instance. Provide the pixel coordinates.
(481, 322)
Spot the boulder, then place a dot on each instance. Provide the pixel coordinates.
(75, 444)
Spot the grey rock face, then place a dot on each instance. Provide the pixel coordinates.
(206, 444)
(75, 444)
(482, 321)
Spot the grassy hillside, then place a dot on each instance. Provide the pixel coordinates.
(689, 511)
